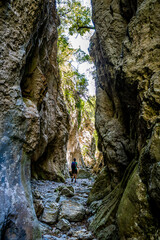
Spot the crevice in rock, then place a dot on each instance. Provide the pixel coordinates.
(128, 8)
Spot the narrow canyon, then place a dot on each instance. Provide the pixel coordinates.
(117, 193)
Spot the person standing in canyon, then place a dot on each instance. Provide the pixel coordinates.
(74, 169)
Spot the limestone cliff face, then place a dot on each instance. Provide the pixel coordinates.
(126, 52)
(33, 117)
(81, 143)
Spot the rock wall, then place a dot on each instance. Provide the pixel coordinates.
(73, 146)
(82, 143)
(125, 49)
(33, 117)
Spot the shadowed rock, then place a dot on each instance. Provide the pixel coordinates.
(33, 117)
(125, 49)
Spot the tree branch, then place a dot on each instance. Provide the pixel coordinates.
(87, 27)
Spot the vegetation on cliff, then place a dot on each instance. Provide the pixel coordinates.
(76, 19)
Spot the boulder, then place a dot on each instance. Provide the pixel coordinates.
(72, 211)
(59, 188)
(50, 213)
(66, 192)
(83, 173)
(39, 207)
(37, 194)
(51, 237)
(70, 188)
(83, 234)
(45, 228)
(63, 225)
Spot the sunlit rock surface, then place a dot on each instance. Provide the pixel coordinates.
(126, 51)
(33, 118)
(73, 212)
(82, 143)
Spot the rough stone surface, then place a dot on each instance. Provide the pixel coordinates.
(81, 142)
(45, 228)
(73, 211)
(84, 173)
(38, 206)
(33, 117)
(131, 216)
(100, 187)
(125, 49)
(83, 235)
(63, 225)
(50, 213)
(66, 192)
(154, 186)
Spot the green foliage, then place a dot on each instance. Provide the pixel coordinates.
(82, 57)
(84, 150)
(74, 16)
(95, 135)
(80, 106)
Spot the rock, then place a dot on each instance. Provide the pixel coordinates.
(83, 173)
(95, 205)
(33, 117)
(70, 233)
(50, 213)
(72, 211)
(39, 207)
(63, 225)
(60, 188)
(100, 188)
(131, 217)
(89, 220)
(79, 199)
(154, 185)
(84, 184)
(87, 211)
(84, 150)
(83, 235)
(126, 51)
(107, 233)
(37, 195)
(45, 228)
(51, 237)
(56, 231)
(66, 192)
(70, 188)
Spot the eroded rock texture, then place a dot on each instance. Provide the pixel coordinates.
(126, 52)
(33, 118)
(81, 142)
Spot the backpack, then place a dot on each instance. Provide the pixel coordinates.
(74, 165)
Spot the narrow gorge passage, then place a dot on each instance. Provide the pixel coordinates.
(62, 209)
(48, 118)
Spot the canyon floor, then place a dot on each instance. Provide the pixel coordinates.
(62, 209)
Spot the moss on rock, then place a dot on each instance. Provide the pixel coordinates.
(100, 188)
(105, 217)
(134, 217)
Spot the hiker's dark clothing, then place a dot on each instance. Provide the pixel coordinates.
(74, 167)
